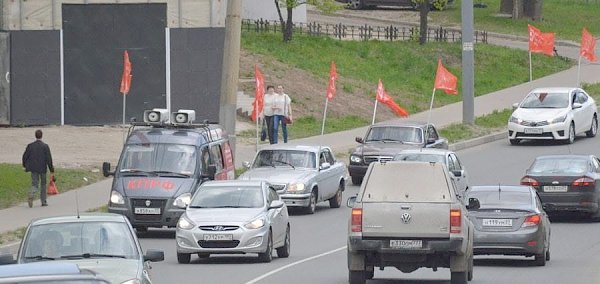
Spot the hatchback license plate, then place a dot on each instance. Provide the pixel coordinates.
(497, 222)
(533, 131)
(555, 188)
(218, 237)
(406, 244)
(147, 211)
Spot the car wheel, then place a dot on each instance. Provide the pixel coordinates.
(284, 251)
(203, 255)
(470, 272)
(458, 277)
(267, 256)
(540, 259)
(184, 258)
(514, 141)
(548, 255)
(356, 4)
(370, 273)
(336, 200)
(357, 277)
(312, 205)
(593, 129)
(357, 180)
(571, 137)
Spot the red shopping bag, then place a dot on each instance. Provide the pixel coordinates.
(52, 189)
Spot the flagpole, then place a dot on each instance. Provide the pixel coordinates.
(257, 117)
(324, 115)
(429, 116)
(530, 68)
(578, 71)
(124, 103)
(374, 113)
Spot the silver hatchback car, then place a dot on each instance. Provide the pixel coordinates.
(234, 217)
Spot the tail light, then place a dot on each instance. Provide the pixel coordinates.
(531, 221)
(584, 181)
(455, 221)
(356, 221)
(529, 181)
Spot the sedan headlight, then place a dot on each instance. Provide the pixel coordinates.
(559, 119)
(355, 159)
(185, 223)
(296, 187)
(515, 120)
(132, 281)
(183, 200)
(258, 223)
(116, 198)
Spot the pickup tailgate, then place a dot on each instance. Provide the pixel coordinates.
(406, 220)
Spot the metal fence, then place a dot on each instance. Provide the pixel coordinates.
(364, 32)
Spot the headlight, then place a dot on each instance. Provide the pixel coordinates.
(295, 187)
(183, 200)
(132, 281)
(116, 198)
(185, 223)
(514, 120)
(258, 223)
(559, 119)
(355, 159)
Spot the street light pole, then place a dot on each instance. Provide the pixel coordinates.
(468, 62)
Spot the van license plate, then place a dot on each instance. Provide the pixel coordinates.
(533, 131)
(406, 244)
(218, 237)
(147, 211)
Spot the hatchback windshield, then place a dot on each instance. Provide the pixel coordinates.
(420, 158)
(497, 199)
(395, 134)
(79, 240)
(228, 197)
(294, 158)
(559, 166)
(546, 100)
(166, 158)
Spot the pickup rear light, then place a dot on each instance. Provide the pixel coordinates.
(529, 181)
(455, 221)
(356, 221)
(584, 181)
(531, 221)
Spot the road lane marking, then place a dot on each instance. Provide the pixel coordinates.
(255, 280)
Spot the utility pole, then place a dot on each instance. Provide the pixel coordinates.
(468, 68)
(231, 69)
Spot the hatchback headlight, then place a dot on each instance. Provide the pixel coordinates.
(116, 198)
(257, 223)
(183, 200)
(296, 187)
(355, 159)
(559, 119)
(514, 120)
(185, 223)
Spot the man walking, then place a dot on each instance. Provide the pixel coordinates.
(37, 159)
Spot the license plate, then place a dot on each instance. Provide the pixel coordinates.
(147, 211)
(533, 130)
(406, 244)
(555, 188)
(218, 237)
(497, 222)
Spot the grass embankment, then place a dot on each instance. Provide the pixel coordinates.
(484, 125)
(15, 183)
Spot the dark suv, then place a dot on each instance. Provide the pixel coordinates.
(386, 139)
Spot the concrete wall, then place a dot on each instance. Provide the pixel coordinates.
(265, 9)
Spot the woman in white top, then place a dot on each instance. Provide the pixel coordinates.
(268, 111)
(281, 109)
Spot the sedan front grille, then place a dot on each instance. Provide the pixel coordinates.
(153, 203)
(370, 159)
(218, 228)
(218, 244)
(534, 123)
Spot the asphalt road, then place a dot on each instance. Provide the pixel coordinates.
(318, 241)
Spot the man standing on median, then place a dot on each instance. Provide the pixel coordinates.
(37, 159)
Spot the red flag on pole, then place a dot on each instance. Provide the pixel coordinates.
(588, 45)
(126, 77)
(331, 90)
(444, 80)
(382, 97)
(540, 42)
(257, 105)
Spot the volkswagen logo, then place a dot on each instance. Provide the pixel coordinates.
(218, 228)
(405, 218)
(148, 203)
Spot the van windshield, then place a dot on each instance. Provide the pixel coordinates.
(163, 159)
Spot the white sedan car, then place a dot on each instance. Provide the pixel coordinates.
(553, 114)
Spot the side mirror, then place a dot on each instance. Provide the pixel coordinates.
(458, 173)
(515, 106)
(106, 170)
(325, 166)
(246, 164)
(275, 204)
(430, 140)
(154, 255)
(7, 259)
(473, 204)
(359, 140)
(210, 173)
(577, 105)
(351, 201)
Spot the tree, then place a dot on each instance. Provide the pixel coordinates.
(287, 26)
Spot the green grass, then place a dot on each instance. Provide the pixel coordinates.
(310, 126)
(593, 90)
(16, 182)
(565, 18)
(493, 122)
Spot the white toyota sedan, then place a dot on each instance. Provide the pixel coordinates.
(553, 114)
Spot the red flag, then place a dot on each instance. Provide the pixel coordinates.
(382, 97)
(332, 77)
(588, 45)
(444, 80)
(540, 42)
(126, 77)
(257, 105)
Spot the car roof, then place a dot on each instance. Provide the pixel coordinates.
(565, 156)
(554, 90)
(234, 182)
(400, 122)
(436, 151)
(503, 188)
(309, 148)
(86, 217)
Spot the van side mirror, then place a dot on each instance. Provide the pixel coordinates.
(473, 204)
(210, 173)
(154, 255)
(106, 170)
(430, 140)
(515, 106)
(359, 140)
(351, 201)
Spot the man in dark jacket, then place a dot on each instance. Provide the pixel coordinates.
(37, 159)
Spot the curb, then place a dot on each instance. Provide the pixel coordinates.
(477, 141)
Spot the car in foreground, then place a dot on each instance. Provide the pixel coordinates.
(566, 183)
(385, 140)
(302, 175)
(553, 114)
(510, 220)
(103, 242)
(458, 172)
(48, 272)
(234, 217)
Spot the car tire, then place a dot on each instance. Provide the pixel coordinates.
(571, 138)
(470, 272)
(514, 141)
(336, 200)
(357, 277)
(184, 258)
(540, 259)
(356, 4)
(284, 251)
(458, 277)
(370, 273)
(267, 256)
(312, 205)
(594, 128)
(548, 255)
(203, 255)
(357, 180)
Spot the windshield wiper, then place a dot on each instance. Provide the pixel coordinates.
(39, 257)
(285, 163)
(136, 172)
(92, 255)
(170, 173)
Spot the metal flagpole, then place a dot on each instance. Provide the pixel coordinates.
(374, 113)
(257, 117)
(578, 71)
(530, 70)
(324, 116)
(429, 116)
(124, 103)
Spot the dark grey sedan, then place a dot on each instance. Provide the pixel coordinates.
(509, 220)
(566, 183)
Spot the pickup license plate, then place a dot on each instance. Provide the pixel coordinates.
(147, 211)
(555, 188)
(218, 237)
(533, 131)
(406, 244)
(497, 222)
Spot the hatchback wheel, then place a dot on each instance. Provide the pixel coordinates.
(267, 256)
(312, 205)
(514, 141)
(593, 129)
(284, 251)
(184, 258)
(357, 277)
(571, 137)
(336, 200)
(540, 259)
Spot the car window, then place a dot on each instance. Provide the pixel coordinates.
(498, 199)
(432, 133)
(559, 165)
(456, 162)
(420, 157)
(451, 164)
(326, 154)
(273, 195)
(228, 197)
(394, 133)
(275, 158)
(216, 157)
(546, 100)
(596, 164)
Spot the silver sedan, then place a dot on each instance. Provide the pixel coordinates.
(234, 217)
